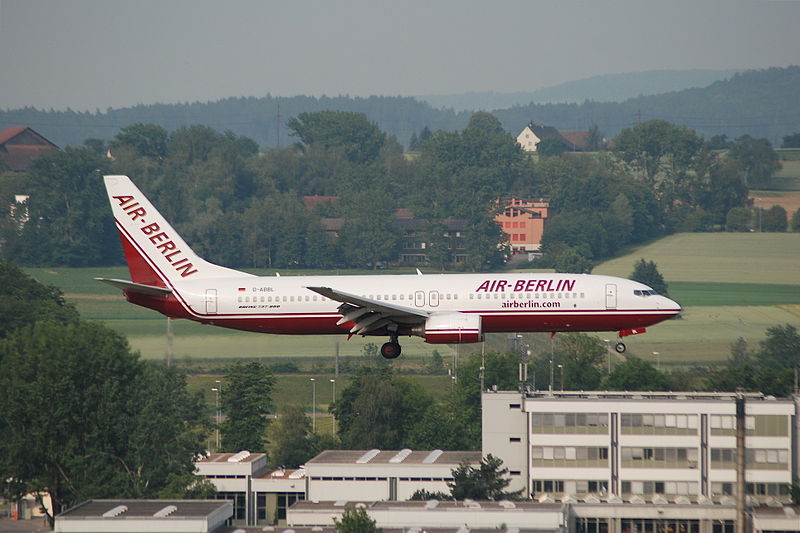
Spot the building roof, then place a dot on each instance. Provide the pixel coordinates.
(21, 145)
(578, 139)
(240, 457)
(311, 202)
(405, 456)
(138, 509)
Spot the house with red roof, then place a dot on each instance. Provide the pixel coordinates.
(20, 146)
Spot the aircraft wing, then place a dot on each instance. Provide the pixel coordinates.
(369, 314)
(139, 288)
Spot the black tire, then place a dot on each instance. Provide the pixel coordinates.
(620, 347)
(391, 350)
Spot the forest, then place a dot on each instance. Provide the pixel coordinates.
(760, 103)
(244, 208)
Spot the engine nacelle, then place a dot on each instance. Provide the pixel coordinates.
(451, 328)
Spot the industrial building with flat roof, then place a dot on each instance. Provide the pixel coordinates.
(654, 447)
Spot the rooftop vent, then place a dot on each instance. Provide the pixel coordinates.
(401, 456)
(116, 511)
(297, 474)
(239, 457)
(507, 504)
(367, 457)
(512, 530)
(431, 504)
(340, 503)
(166, 511)
(463, 529)
(431, 458)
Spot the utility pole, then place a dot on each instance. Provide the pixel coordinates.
(278, 124)
(313, 405)
(169, 353)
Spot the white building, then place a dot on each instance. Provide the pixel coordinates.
(375, 475)
(261, 496)
(258, 495)
(130, 516)
(639, 446)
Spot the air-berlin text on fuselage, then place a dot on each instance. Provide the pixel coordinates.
(527, 285)
(161, 240)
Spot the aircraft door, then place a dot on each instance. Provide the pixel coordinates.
(611, 296)
(433, 298)
(211, 301)
(419, 299)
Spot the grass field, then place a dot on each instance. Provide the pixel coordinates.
(730, 285)
(749, 258)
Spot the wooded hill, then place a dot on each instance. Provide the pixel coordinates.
(759, 103)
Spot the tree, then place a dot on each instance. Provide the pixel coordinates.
(636, 374)
(757, 158)
(791, 141)
(379, 410)
(246, 400)
(70, 221)
(773, 219)
(583, 357)
(738, 219)
(24, 301)
(148, 140)
(794, 225)
(661, 151)
(356, 520)
(486, 482)
(422, 495)
(82, 417)
(483, 242)
(551, 146)
(369, 238)
(291, 441)
(781, 348)
(360, 139)
(647, 272)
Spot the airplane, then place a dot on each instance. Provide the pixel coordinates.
(167, 276)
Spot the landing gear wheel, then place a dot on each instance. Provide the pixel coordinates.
(391, 350)
(620, 347)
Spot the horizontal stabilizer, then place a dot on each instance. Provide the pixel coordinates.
(139, 288)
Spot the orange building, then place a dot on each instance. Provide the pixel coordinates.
(523, 221)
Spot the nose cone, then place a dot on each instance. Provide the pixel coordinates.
(670, 305)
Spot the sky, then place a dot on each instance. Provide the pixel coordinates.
(89, 55)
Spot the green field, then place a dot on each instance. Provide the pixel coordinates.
(747, 258)
(730, 285)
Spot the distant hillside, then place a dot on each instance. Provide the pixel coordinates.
(605, 88)
(761, 103)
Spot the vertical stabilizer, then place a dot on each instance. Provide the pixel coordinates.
(155, 253)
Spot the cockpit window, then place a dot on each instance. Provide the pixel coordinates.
(649, 292)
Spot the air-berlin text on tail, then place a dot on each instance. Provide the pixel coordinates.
(161, 240)
(526, 285)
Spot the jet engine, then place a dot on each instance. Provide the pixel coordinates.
(451, 328)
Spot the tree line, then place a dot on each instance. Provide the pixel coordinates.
(661, 178)
(761, 103)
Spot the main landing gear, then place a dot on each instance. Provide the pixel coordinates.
(620, 347)
(391, 349)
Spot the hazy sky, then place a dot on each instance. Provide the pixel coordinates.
(92, 54)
